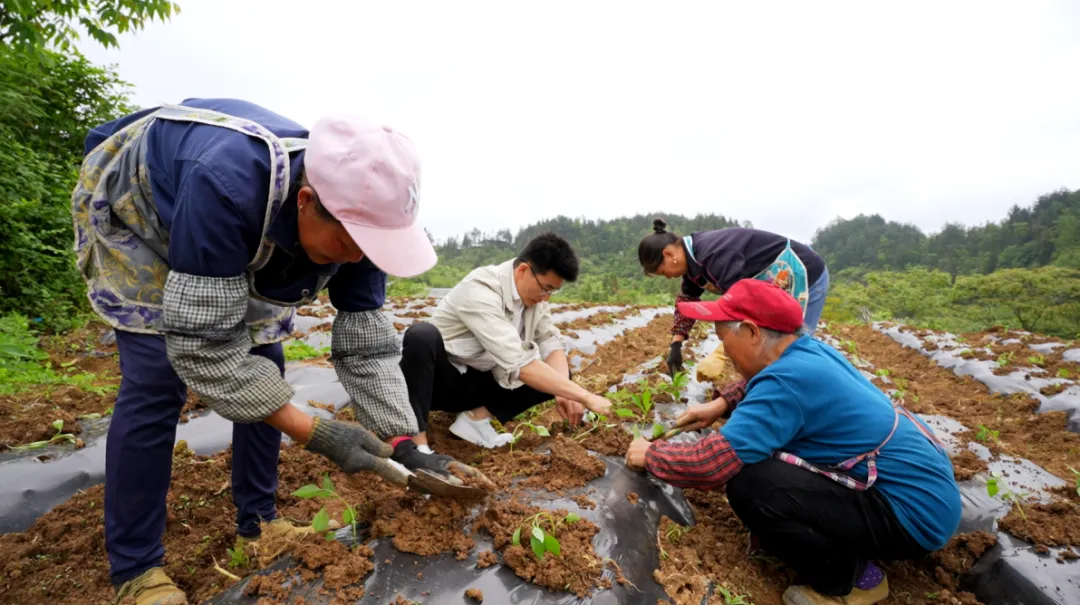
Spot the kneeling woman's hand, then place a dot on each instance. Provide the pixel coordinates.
(635, 456)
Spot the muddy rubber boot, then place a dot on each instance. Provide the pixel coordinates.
(804, 595)
(152, 587)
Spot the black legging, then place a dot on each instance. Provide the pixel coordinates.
(823, 530)
(435, 384)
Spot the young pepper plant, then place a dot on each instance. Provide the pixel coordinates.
(519, 432)
(321, 522)
(995, 489)
(543, 541)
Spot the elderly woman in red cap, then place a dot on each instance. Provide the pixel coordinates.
(826, 472)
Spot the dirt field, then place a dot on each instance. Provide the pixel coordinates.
(61, 559)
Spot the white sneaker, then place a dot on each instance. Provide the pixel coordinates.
(424, 449)
(479, 432)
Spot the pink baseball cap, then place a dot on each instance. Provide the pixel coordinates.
(368, 177)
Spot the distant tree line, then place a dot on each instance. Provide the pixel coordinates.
(1046, 233)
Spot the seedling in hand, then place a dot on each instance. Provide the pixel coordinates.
(543, 541)
(994, 488)
(59, 436)
(519, 431)
(321, 522)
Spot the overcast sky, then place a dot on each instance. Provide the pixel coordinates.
(787, 114)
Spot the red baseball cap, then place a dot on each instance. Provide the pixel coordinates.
(763, 303)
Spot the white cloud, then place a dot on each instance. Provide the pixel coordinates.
(786, 114)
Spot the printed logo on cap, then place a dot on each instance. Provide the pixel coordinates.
(414, 200)
(700, 308)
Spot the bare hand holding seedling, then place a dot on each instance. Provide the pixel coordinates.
(701, 416)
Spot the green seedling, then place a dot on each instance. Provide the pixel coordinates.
(58, 437)
(676, 386)
(1037, 360)
(1076, 478)
(1063, 373)
(986, 435)
(657, 430)
(321, 522)
(595, 421)
(994, 488)
(851, 348)
(238, 556)
(732, 597)
(1004, 359)
(676, 532)
(643, 401)
(298, 350)
(543, 541)
(519, 432)
(883, 372)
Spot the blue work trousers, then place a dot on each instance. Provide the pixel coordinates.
(139, 451)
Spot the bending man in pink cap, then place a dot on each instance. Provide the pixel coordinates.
(199, 228)
(827, 472)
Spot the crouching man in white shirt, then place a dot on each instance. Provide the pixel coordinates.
(491, 348)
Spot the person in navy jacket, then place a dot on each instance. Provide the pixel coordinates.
(198, 229)
(714, 260)
(826, 472)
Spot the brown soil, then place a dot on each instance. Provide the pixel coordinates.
(606, 367)
(632, 498)
(28, 416)
(1053, 389)
(424, 526)
(597, 319)
(1020, 356)
(320, 312)
(931, 389)
(967, 464)
(568, 466)
(414, 314)
(1052, 524)
(578, 570)
(475, 594)
(61, 558)
(487, 559)
(583, 501)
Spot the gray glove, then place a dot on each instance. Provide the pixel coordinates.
(354, 448)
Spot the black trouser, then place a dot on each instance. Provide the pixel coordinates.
(435, 384)
(823, 530)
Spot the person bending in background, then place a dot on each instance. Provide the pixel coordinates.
(714, 261)
(491, 348)
(823, 468)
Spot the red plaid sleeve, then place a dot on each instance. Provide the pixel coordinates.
(683, 324)
(707, 463)
(732, 393)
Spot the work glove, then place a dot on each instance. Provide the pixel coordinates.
(407, 454)
(674, 358)
(354, 448)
